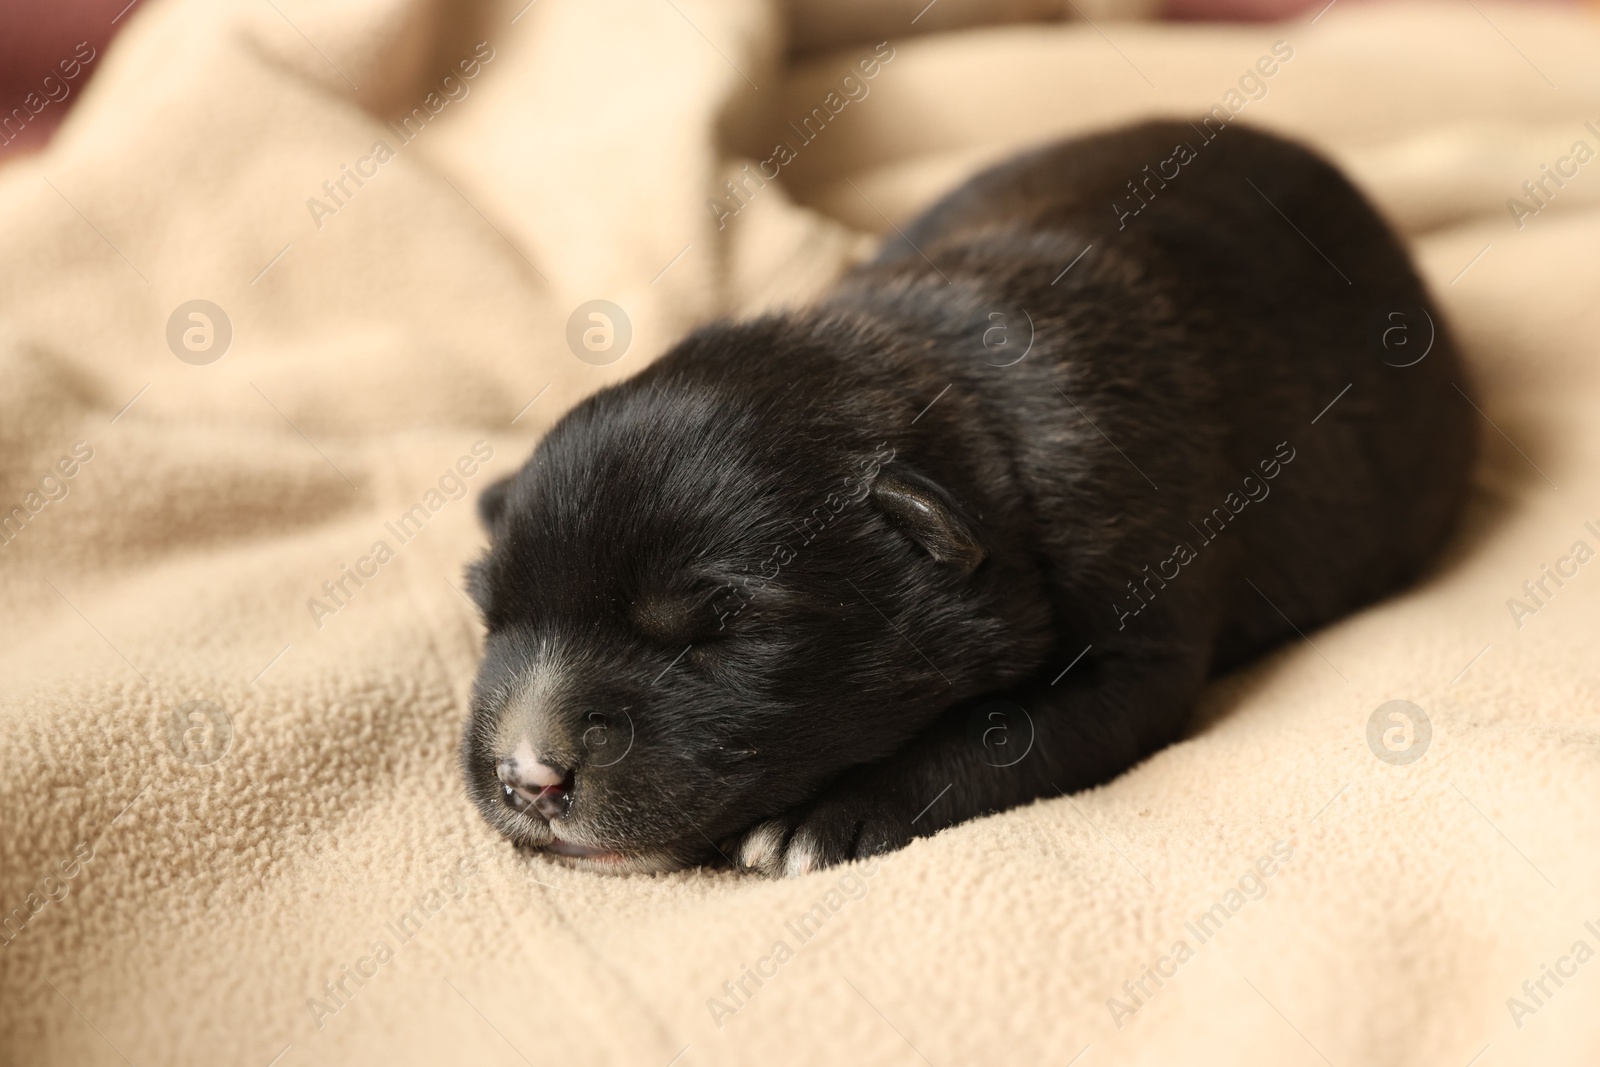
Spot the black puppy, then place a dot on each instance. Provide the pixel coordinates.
(975, 529)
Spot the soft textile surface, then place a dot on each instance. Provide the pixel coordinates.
(323, 893)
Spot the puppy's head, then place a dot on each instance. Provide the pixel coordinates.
(704, 600)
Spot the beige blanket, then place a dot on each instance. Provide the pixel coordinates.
(236, 654)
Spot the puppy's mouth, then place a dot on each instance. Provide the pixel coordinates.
(609, 861)
(573, 850)
(538, 818)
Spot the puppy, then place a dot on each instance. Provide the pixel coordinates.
(1110, 418)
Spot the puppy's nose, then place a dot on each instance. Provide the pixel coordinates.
(531, 782)
(528, 769)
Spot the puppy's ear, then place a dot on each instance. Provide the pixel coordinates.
(925, 513)
(479, 587)
(492, 503)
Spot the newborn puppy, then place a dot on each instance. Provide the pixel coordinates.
(975, 529)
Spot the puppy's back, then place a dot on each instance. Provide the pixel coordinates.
(1233, 285)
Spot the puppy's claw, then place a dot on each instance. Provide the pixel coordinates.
(761, 850)
(831, 830)
(803, 855)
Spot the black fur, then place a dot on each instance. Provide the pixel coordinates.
(819, 574)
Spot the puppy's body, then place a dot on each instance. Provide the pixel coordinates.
(827, 571)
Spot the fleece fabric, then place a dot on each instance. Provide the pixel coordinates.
(297, 280)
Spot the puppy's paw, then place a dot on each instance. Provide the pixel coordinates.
(828, 831)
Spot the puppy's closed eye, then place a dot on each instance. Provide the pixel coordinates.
(673, 620)
(687, 627)
(723, 608)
